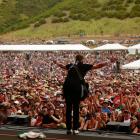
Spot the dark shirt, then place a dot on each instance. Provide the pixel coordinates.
(47, 119)
(138, 124)
(84, 68)
(72, 82)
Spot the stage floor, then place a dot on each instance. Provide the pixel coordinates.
(8, 132)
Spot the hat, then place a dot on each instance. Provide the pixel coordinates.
(102, 99)
(19, 112)
(16, 102)
(47, 97)
(127, 91)
(61, 105)
(110, 100)
(106, 101)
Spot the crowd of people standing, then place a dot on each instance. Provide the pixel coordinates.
(31, 84)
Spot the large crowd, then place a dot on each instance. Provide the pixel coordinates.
(31, 84)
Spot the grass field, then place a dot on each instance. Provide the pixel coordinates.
(104, 26)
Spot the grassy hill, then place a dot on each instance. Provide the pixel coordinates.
(15, 14)
(49, 18)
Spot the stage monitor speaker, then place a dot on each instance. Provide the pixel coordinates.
(118, 127)
(18, 119)
(112, 126)
(124, 127)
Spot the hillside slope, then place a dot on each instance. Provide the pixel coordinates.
(18, 14)
(15, 14)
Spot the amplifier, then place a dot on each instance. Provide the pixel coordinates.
(18, 119)
(118, 127)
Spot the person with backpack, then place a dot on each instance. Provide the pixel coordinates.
(72, 90)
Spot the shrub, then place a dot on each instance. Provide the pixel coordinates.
(135, 12)
(57, 20)
(65, 19)
(130, 1)
(39, 23)
(74, 16)
(122, 15)
(116, 2)
(42, 21)
(137, 2)
(36, 25)
(60, 14)
(84, 17)
(109, 14)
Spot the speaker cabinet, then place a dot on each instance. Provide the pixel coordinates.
(18, 119)
(118, 127)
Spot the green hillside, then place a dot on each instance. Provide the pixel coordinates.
(36, 14)
(15, 14)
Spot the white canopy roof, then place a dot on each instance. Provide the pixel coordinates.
(107, 47)
(135, 47)
(43, 47)
(133, 65)
(132, 49)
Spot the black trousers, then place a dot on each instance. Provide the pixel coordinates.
(72, 118)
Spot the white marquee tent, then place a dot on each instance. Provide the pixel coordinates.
(109, 47)
(71, 47)
(135, 65)
(133, 49)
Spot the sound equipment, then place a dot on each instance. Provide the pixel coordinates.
(118, 127)
(18, 119)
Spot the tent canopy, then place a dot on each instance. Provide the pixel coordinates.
(71, 47)
(133, 49)
(109, 47)
(135, 65)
